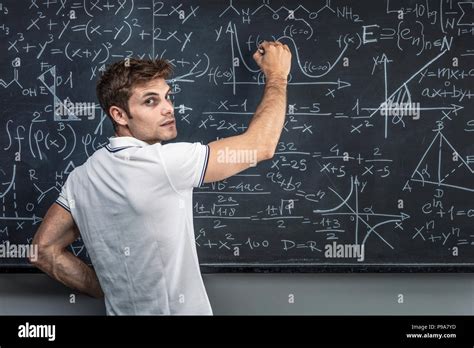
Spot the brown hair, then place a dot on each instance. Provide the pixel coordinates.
(116, 84)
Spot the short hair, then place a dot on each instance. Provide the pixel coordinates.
(116, 84)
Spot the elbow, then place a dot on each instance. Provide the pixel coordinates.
(264, 148)
(268, 152)
(39, 251)
(39, 255)
(34, 256)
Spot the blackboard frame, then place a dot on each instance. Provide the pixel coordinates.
(288, 269)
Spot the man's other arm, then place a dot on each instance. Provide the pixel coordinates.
(55, 234)
(259, 141)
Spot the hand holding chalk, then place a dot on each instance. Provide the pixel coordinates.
(274, 59)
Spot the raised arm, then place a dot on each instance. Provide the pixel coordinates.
(55, 234)
(232, 155)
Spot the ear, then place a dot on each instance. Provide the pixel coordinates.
(119, 115)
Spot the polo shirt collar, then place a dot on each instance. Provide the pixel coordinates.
(122, 142)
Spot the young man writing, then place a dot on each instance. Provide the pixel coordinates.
(131, 201)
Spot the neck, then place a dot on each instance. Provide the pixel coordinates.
(127, 133)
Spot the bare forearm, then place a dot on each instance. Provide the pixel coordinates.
(268, 120)
(72, 272)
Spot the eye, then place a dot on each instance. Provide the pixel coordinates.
(150, 101)
(170, 96)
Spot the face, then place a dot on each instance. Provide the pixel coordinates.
(152, 112)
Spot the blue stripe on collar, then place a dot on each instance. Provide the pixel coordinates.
(117, 149)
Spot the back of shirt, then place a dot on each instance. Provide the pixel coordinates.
(132, 203)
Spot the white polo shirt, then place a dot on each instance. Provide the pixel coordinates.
(132, 203)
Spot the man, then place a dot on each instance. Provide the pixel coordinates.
(131, 201)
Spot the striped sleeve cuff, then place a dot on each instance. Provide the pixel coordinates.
(61, 201)
(204, 168)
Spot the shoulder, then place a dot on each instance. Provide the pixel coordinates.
(96, 157)
(186, 148)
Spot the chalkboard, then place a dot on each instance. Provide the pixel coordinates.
(377, 148)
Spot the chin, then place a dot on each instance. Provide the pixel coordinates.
(169, 137)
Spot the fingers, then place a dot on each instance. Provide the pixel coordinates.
(266, 44)
(257, 56)
(279, 44)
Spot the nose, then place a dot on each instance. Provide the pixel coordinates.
(168, 107)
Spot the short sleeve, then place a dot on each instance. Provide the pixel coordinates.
(185, 163)
(62, 199)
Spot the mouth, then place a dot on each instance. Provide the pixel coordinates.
(168, 123)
